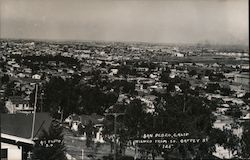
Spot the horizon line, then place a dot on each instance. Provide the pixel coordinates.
(117, 41)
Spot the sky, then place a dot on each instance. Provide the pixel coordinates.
(158, 21)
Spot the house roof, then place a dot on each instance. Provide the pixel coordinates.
(16, 139)
(18, 100)
(96, 119)
(75, 117)
(20, 124)
(29, 80)
(246, 116)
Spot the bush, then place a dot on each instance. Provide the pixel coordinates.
(126, 158)
(109, 157)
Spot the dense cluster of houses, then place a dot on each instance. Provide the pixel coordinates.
(109, 59)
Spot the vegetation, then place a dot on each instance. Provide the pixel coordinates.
(89, 133)
(49, 145)
(3, 109)
(73, 97)
(181, 112)
(245, 141)
(5, 79)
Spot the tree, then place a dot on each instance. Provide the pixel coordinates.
(5, 79)
(89, 133)
(196, 120)
(208, 72)
(103, 64)
(226, 91)
(50, 145)
(60, 94)
(234, 111)
(3, 109)
(10, 89)
(216, 77)
(245, 142)
(192, 72)
(246, 98)
(164, 77)
(54, 95)
(135, 117)
(213, 87)
(185, 87)
(232, 141)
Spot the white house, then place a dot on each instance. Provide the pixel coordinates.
(36, 76)
(75, 121)
(246, 117)
(113, 71)
(12, 147)
(21, 75)
(179, 54)
(16, 134)
(18, 104)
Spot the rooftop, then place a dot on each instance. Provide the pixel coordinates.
(18, 100)
(20, 124)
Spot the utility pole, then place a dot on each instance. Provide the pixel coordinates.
(184, 101)
(61, 119)
(41, 97)
(34, 114)
(82, 154)
(115, 128)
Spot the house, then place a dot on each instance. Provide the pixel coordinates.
(179, 54)
(215, 65)
(149, 105)
(20, 124)
(246, 117)
(16, 66)
(113, 71)
(245, 66)
(75, 121)
(242, 78)
(70, 71)
(142, 69)
(16, 129)
(97, 121)
(21, 75)
(94, 118)
(36, 76)
(27, 70)
(18, 104)
(14, 147)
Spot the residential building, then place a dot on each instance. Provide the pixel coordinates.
(16, 134)
(14, 147)
(18, 104)
(242, 78)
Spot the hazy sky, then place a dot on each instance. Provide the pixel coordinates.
(166, 21)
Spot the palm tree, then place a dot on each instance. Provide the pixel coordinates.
(49, 145)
